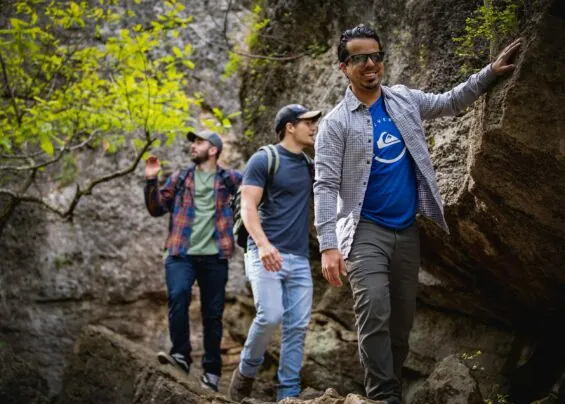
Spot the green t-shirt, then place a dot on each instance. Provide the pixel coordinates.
(202, 240)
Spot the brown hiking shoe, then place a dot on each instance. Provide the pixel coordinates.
(240, 386)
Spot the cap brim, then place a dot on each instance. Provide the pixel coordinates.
(193, 135)
(310, 115)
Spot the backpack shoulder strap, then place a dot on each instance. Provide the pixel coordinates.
(308, 159)
(226, 179)
(181, 179)
(273, 161)
(276, 158)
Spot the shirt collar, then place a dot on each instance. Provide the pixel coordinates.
(353, 102)
(351, 99)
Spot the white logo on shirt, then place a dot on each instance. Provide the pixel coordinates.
(386, 140)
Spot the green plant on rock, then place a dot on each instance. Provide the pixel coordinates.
(78, 76)
(500, 399)
(490, 25)
(471, 359)
(255, 22)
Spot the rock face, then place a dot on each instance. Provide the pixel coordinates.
(107, 368)
(494, 285)
(499, 164)
(105, 267)
(449, 383)
(19, 381)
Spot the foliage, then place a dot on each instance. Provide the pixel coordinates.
(500, 399)
(472, 359)
(78, 75)
(256, 23)
(484, 30)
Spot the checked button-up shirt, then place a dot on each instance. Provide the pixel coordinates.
(344, 153)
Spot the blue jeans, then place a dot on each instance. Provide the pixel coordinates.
(286, 297)
(211, 272)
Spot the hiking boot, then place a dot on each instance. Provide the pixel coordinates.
(240, 386)
(177, 360)
(209, 381)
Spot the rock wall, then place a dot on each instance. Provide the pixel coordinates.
(498, 164)
(105, 267)
(495, 284)
(106, 367)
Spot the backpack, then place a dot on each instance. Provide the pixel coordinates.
(273, 162)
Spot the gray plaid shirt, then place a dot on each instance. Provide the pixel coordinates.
(344, 150)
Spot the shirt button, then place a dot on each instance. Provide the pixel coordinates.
(369, 141)
(368, 161)
(364, 182)
(359, 203)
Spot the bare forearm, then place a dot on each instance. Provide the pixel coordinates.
(252, 222)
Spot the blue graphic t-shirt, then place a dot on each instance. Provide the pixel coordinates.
(391, 199)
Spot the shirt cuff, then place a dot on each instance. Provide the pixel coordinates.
(327, 242)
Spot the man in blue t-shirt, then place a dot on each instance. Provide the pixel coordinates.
(275, 213)
(373, 174)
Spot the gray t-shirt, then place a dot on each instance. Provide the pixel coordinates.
(285, 213)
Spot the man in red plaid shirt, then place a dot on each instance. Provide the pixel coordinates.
(199, 243)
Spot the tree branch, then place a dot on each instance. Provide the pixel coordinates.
(225, 25)
(62, 151)
(20, 197)
(17, 197)
(21, 156)
(226, 45)
(10, 90)
(121, 172)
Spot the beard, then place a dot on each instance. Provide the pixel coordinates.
(371, 85)
(201, 158)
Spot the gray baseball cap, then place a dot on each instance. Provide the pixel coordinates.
(211, 136)
(292, 113)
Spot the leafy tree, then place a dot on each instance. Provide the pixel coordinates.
(490, 25)
(76, 76)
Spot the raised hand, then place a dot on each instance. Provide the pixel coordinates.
(152, 167)
(501, 66)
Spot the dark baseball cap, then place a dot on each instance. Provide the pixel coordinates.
(292, 113)
(211, 136)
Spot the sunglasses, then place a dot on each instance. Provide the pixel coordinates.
(361, 58)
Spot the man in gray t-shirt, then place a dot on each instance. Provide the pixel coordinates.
(276, 262)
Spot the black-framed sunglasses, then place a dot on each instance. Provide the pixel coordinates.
(361, 58)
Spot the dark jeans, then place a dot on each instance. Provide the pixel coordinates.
(211, 273)
(383, 273)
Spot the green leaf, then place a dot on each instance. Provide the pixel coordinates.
(177, 52)
(46, 144)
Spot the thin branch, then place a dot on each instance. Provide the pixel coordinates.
(62, 151)
(225, 29)
(121, 172)
(18, 197)
(10, 90)
(21, 156)
(274, 58)
(227, 46)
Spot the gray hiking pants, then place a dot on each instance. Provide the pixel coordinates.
(382, 268)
